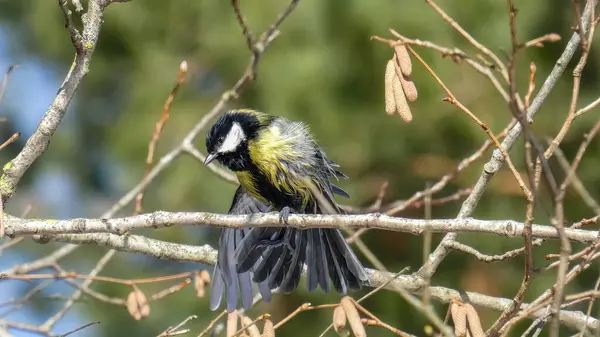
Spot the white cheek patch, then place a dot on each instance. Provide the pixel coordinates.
(234, 138)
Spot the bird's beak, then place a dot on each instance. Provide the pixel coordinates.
(209, 158)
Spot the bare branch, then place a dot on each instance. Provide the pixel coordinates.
(38, 142)
(79, 329)
(158, 128)
(162, 219)
(495, 163)
(205, 254)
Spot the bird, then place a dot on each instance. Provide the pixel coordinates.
(225, 276)
(279, 162)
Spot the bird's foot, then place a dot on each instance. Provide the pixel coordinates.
(284, 214)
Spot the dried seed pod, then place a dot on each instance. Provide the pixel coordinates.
(252, 328)
(474, 322)
(137, 304)
(403, 59)
(339, 321)
(410, 90)
(199, 285)
(353, 317)
(268, 329)
(232, 323)
(143, 303)
(205, 275)
(132, 306)
(390, 103)
(401, 103)
(459, 317)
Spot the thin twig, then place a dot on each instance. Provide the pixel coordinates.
(5, 79)
(576, 182)
(80, 328)
(254, 322)
(496, 161)
(452, 99)
(588, 107)
(39, 141)
(497, 62)
(68, 275)
(50, 322)
(174, 330)
(539, 42)
(242, 21)
(565, 245)
(164, 117)
(212, 323)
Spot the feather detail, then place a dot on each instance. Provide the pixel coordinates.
(226, 278)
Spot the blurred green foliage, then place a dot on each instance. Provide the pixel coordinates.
(323, 69)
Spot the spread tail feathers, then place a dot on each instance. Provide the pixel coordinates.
(278, 256)
(225, 276)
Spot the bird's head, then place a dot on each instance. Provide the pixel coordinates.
(227, 140)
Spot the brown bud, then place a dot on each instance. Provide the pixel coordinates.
(410, 90)
(403, 59)
(268, 329)
(252, 328)
(232, 323)
(401, 103)
(137, 304)
(183, 66)
(390, 103)
(353, 317)
(459, 317)
(553, 37)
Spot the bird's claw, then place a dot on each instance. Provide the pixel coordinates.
(284, 214)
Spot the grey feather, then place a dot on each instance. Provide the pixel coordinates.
(225, 275)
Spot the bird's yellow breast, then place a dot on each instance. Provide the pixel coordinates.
(268, 153)
(248, 182)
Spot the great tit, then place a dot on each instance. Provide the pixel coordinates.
(225, 276)
(275, 161)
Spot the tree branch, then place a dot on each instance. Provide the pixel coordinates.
(37, 144)
(207, 255)
(495, 163)
(161, 219)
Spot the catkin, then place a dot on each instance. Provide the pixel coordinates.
(401, 103)
(339, 319)
(410, 90)
(232, 323)
(474, 322)
(199, 285)
(252, 328)
(390, 102)
(459, 317)
(353, 317)
(268, 329)
(403, 59)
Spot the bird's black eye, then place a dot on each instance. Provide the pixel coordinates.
(221, 139)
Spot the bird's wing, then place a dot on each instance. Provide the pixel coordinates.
(225, 275)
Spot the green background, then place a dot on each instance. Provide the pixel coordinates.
(323, 69)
